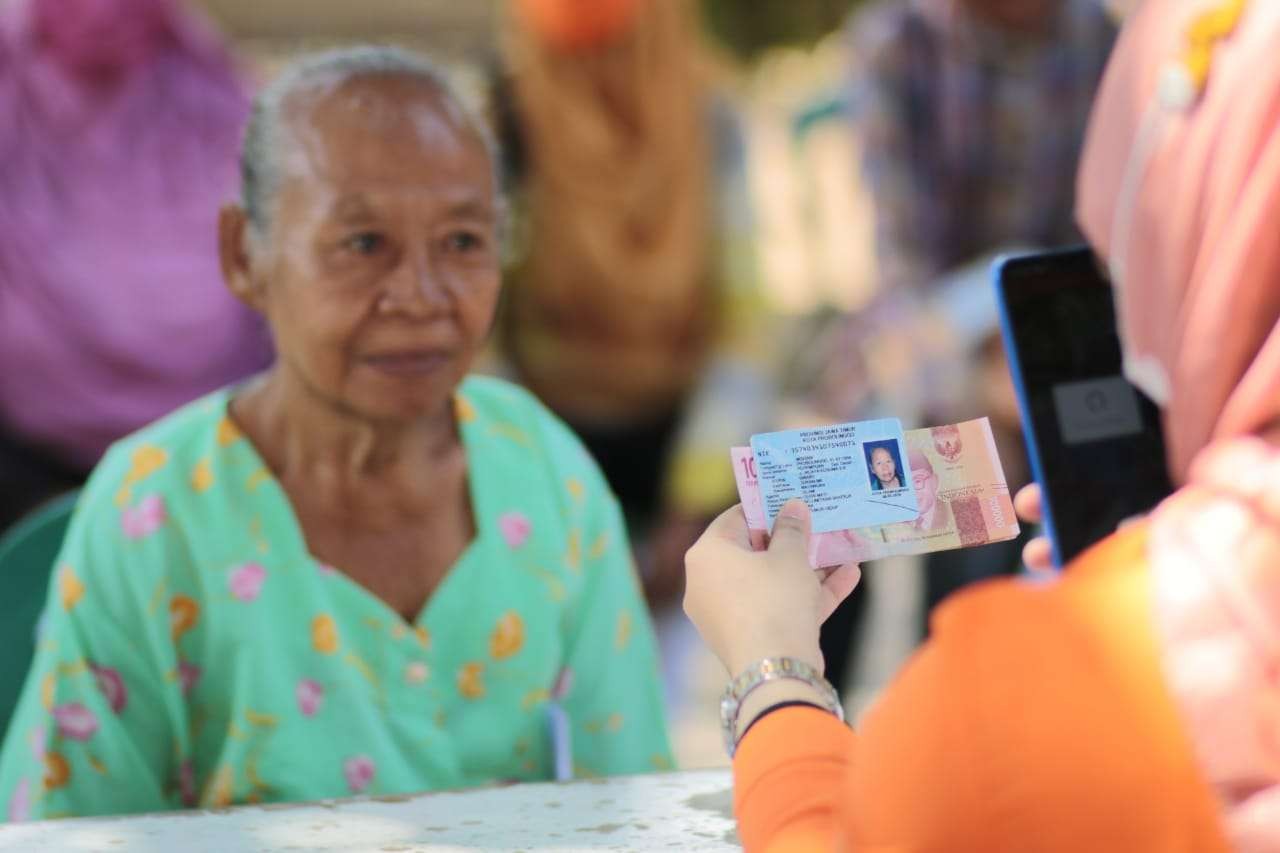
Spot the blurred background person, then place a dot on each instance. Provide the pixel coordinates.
(628, 290)
(971, 115)
(119, 123)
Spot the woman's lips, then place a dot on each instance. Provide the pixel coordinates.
(409, 363)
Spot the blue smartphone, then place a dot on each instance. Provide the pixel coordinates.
(1094, 441)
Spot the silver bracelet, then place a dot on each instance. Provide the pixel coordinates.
(761, 672)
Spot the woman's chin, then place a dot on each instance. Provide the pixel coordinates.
(405, 406)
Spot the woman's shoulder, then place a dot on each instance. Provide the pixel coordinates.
(182, 432)
(178, 446)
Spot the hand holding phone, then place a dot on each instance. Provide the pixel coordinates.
(1094, 441)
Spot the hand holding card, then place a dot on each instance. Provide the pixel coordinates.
(959, 497)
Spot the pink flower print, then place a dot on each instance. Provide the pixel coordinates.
(188, 675)
(326, 569)
(515, 528)
(143, 519)
(246, 581)
(187, 783)
(20, 802)
(562, 685)
(75, 721)
(310, 695)
(359, 771)
(36, 742)
(111, 685)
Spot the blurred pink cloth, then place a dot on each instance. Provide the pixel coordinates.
(1200, 288)
(1198, 283)
(119, 130)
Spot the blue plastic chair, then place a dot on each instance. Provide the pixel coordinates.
(27, 553)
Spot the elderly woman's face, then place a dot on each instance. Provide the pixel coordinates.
(383, 271)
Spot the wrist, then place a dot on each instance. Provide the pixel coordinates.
(756, 688)
(774, 693)
(749, 656)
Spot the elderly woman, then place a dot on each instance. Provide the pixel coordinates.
(364, 571)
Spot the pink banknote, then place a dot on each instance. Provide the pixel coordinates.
(960, 486)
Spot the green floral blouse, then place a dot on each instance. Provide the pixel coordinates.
(194, 653)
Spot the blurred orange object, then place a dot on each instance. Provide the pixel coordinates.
(578, 24)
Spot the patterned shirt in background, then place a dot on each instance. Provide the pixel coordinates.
(195, 653)
(971, 134)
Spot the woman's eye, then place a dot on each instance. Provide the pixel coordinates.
(364, 243)
(464, 242)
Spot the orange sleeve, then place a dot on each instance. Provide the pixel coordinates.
(789, 777)
(1035, 718)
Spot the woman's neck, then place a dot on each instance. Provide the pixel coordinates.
(305, 435)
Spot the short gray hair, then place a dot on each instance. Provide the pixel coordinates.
(264, 138)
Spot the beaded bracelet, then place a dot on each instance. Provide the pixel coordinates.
(761, 672)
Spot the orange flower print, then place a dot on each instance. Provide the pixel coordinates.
(48, 685)
(202, 476)
(324, 634)
(70, 586)
(471, 680)
(146, 460)
(183, 613)
(57, 772)
(622, 634)
(507, 637)
(465, 412)
(228, 432)
(423, 635)
(218, 790)
(573, 554)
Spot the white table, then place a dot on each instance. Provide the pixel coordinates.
(687, 811)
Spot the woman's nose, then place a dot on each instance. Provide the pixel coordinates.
(414, 287)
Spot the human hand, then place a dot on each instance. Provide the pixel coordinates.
(1038, 554)
(749, 605)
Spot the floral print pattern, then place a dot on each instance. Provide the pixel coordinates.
(324, 634)
(310, 694)
(144, 519)
(72, 590)
(246, 581)
(195, 653)
(508, 637)
(112, 686)
(515, 528)
(358, 772)
(183, 613)
(75, 721)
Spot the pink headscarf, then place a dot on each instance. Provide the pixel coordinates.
(1180, 191)
(119, 131)
(1189, 218)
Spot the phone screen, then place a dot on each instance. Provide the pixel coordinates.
(1095, 440)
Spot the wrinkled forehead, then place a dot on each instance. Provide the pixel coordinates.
(387, 132)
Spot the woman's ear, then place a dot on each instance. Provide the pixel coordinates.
(235, 256)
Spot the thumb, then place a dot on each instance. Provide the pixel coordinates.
(791, 529)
